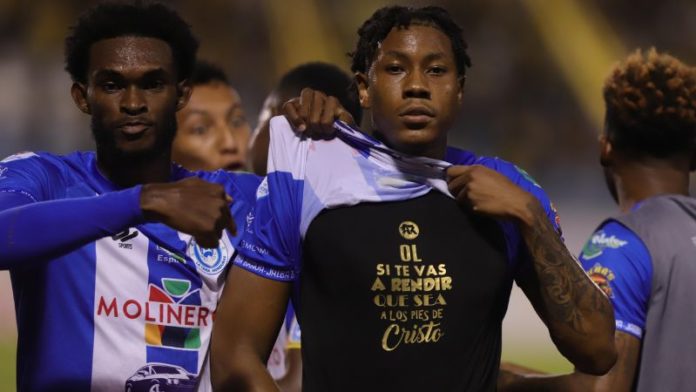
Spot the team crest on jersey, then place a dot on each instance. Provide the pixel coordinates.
(210, 261)
(602, 276)
(600, 241)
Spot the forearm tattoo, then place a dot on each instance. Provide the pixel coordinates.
(569, 295)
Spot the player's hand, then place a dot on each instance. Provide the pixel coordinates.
(313, 114)
(192, 206)
(490, 193)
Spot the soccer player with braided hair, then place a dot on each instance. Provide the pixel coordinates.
(643, 258)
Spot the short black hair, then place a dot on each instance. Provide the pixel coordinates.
(129, 18)
(324, 77)
(376, 29)
(651, 105)
(205, 72)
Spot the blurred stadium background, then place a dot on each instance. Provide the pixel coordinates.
(533, 96)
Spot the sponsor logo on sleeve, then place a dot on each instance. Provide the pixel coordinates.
(600, 241)
(602, 276)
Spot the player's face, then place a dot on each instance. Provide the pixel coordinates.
(132, 94)
(413, 90)
(213, 130)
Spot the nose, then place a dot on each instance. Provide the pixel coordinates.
(133, 102)
(228, 143)
(416, 86)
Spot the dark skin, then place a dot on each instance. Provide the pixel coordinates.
(132, 93)
(631, 178)
(413, 91)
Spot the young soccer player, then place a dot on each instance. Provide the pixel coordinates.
(118, 257)
(413, 288)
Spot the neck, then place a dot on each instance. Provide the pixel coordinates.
(638, 180)
(128, 172)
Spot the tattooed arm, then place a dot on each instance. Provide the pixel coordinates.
(619, 379)
(578, 315)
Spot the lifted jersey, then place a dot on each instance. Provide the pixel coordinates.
(393, 274)
(126, 312)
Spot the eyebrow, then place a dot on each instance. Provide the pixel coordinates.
(152, 73)
(429, 57)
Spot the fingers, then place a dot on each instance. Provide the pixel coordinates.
(207, 241)
(292, 114)
(227, 218)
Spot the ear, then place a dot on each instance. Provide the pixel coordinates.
(460, 94)
(183, 92)
(362, 84)
(79, 96)
(606, 151)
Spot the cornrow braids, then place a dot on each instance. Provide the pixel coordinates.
(376, 29)
(651, 104)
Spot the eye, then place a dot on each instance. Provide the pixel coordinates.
(199, 129)
(155, 84)
(109, 86)
(394, 68)
(238, 121)
(437, 70)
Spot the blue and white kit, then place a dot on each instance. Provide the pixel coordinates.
(104, 299)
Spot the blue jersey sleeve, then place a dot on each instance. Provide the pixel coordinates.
(520, 257)
(272, 243)
(620, 264)
(35, 227)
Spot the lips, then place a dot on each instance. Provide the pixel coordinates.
(417, 115)
(134, 127)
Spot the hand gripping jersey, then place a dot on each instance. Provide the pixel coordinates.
(644, 262)
(104, 300)
(396, 286)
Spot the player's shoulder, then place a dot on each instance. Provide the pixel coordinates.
(614, 243)
(238, 184)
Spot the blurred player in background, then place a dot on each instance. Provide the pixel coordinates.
(319, 76)
(643, 258)
(213, 129)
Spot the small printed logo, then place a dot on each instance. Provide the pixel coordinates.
(123, 238)
(249, 222)
(210, 261)
(262, 190)
(409, 230)
(600, 241)
(602, 276)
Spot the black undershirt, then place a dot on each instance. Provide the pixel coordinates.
(403, 296)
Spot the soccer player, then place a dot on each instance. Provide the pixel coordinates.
(327, 78)
(643, 257)
(118, 257)
(213, 131)
(413, 288)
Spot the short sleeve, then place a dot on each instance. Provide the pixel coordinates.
(271, 243)
(620, 264)
(28, 174)
(520, 258)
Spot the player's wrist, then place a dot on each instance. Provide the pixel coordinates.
(151, 201)
(527, 209)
